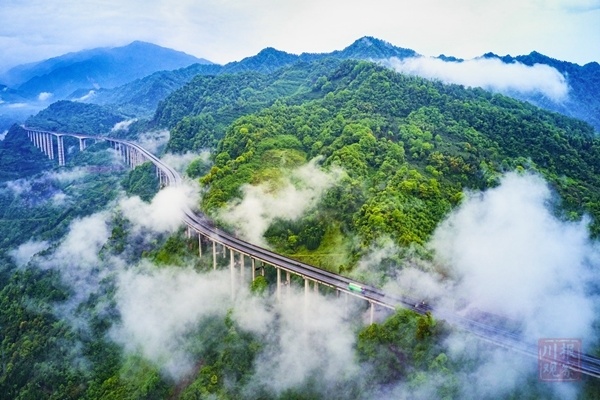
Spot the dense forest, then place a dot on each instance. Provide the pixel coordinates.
(395, 155)
(409, 147)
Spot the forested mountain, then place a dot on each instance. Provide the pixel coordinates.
(419, 142)
(102, 67)
(583, 101)
(68, 116)
(394, 155)
(140, 97)
(583, 81)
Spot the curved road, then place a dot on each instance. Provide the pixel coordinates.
(586, 364)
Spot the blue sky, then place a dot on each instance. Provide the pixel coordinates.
(228, 30)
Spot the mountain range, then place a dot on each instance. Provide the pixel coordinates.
(101, 67)
(133, 79)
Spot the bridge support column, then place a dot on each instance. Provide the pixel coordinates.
(51, 147)
(278, 283)
(232, 268)
(81, 144)
(199, 245)
(371, 312)
(316, 287)
(127, 156)
(242, 261)
(46, 147)
(214, 244)
(43, 143)
(306, 291)
(253, 269)
(61, 150)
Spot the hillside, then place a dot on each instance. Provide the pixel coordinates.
(68, 116)
(584, 83)
(409, 146)
(101, 67)
(141, 97)
(375, 154)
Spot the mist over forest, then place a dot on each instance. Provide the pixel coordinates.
(417, 176)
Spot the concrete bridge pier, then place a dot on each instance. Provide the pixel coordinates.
(306, 294)
(199, 245)
(232, 270)
(371, 312)
(61, 150)
(214, 246)
(51, 148)
(47, 144)
(242, 262)
(253, 262)
(43, 143)
(82, 144)
(278, 283)
(127, 156)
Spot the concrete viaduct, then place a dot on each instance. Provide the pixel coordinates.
(222, 242)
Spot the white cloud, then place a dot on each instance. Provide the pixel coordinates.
(65, 176)
(228, 31)
(289, 199)
(86, 96)
(123, 125)
(512, 256)
(160, 307)
(181, 161)
(504, 252)
(164, 213)
(3, 134)
(25, 252)
(44, 96)
(153, 140)
(19, 187)
(491, 74)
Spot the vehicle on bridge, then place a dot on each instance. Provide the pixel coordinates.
(353, 287)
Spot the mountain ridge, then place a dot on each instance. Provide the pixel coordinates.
(102, 67)
(584, 81)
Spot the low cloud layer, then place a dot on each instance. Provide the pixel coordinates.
(504, 250)
(489, 73)
(45, 96)
(25, 252)
(181, 161)
(289, 199)
(154, 140)
(164, 213)
(504, 257)
(160, 308)
(123, 125)
(512, 256)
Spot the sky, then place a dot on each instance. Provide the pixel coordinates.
(229, 30)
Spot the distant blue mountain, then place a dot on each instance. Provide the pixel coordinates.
(96, 68)
(584, 84)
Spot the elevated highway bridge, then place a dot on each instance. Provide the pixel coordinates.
(197, 223)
